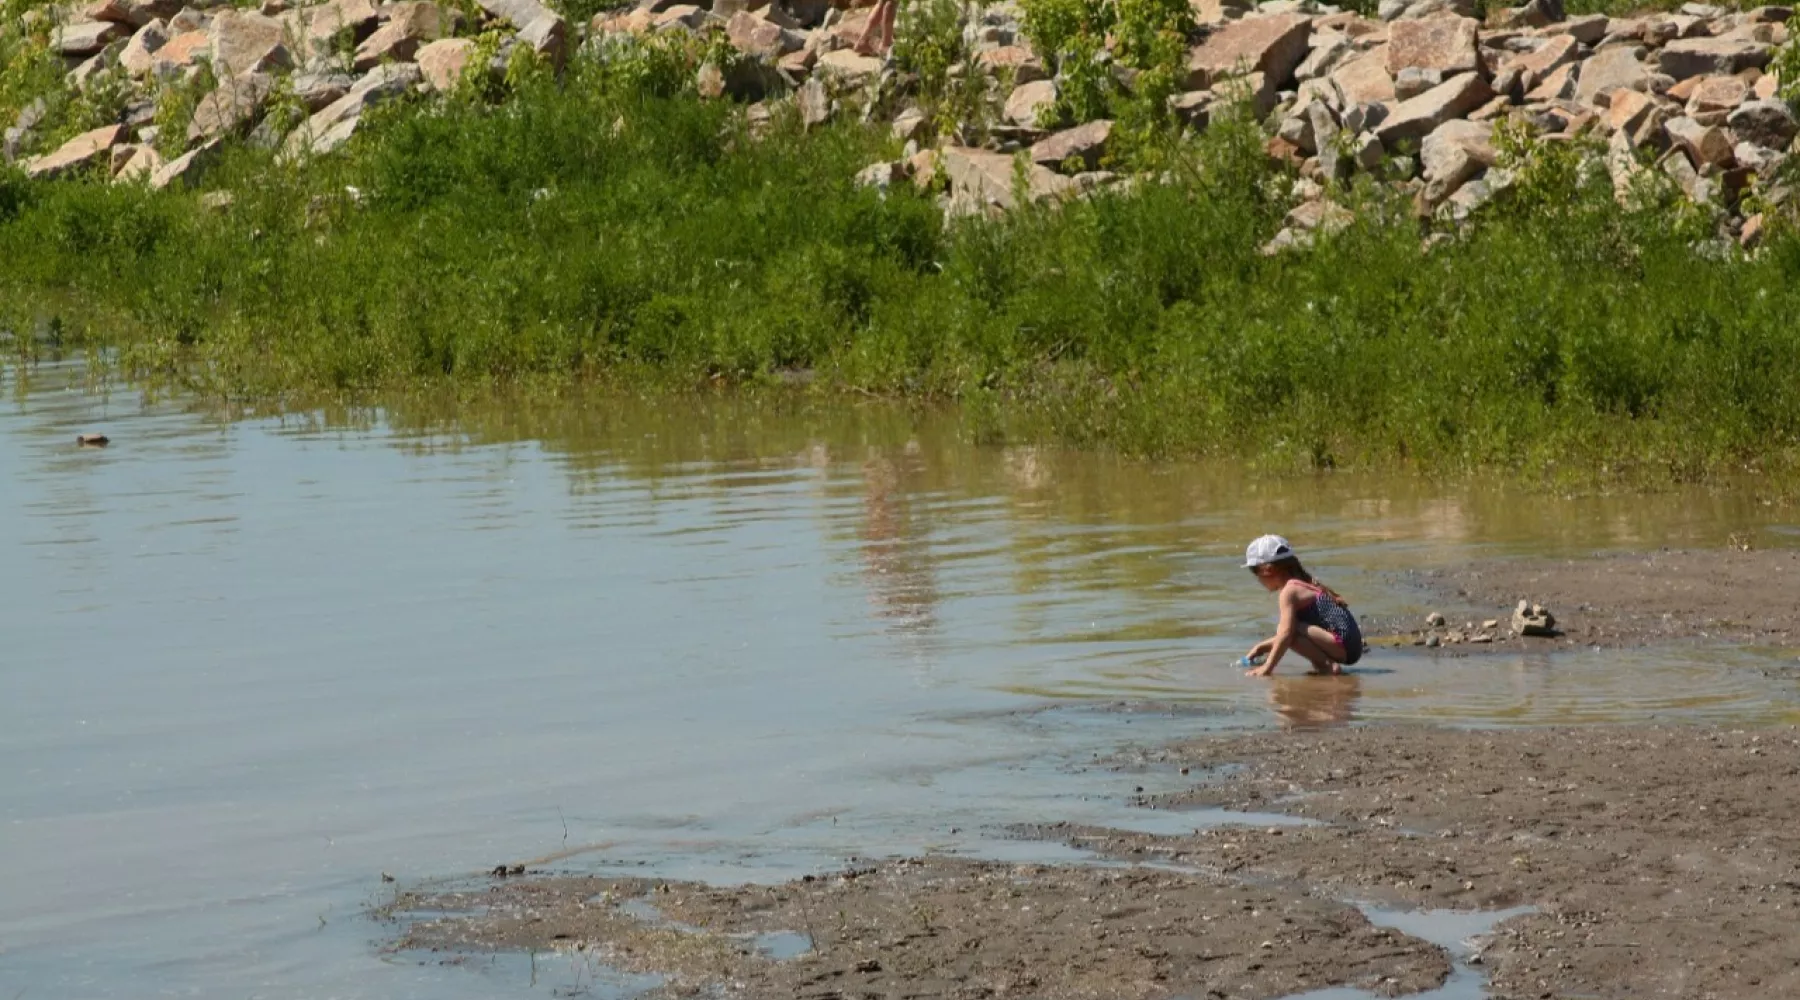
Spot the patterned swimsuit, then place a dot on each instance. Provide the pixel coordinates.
(1335, 618)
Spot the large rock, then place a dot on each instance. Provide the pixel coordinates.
(1417, 118)
(1627, 111)
(1704, 144)
(1611, 68)
(139, 55)
(84, 150)
(444, 61)
(980, 179)
(1086, 143)
(1402, 10)
(244, 43)
(846, 68)
(410, 24)
(761, 39)
(1457, 138)
(1365, 80)
(1448, 45)
(1024, 66)
(187, 168)
(1703, 56)
(1718, 93)
(131, 13)
(1027, 102)
(78, 41)
(1551, 55)
(180, 52)
(519, 13)
(548, 37)
(315, 91)
(1271, 45)
(143, 161)
(332, 127)
(323, 24)
(233, 108)
(1766, 123)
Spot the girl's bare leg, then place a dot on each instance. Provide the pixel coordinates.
(1321, 649)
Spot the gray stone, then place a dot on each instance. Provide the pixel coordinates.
(1413, 81)
(980, 180)
(1768, 123)
(814, 103)
(410, 25)
(881, 176)
(548, 36)
(1704, 144)
(187, 169)
(1324, 57)
(1402, 10)
(1763, 161)
(332, 126)
(1611, 68)
(1691, 57)
(138, 57)
(85, 39)
(1326, 132)
(1027, 102)
(317, 90)
(1416, 118)
(233, 107)
(519, 13)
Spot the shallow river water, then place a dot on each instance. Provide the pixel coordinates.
(249, 667)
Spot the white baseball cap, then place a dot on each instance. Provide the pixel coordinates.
(1268, 549)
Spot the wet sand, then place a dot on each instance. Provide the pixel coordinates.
(1612, 601)
(1658, 862)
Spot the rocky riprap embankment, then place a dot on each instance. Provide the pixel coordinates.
(1413, 94)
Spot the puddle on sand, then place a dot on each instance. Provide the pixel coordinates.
(782, 945)
(778, 946)
(1451, 930)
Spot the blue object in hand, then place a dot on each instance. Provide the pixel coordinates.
(1251, 661)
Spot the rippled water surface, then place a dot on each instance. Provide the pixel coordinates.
(251, 666)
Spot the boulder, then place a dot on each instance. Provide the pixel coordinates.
(1446, 44)
(519, 13)
(1533, 620)
(1587, 29)
(233, 108)
(1615, 68)
(1414, 80)
(1365, 80)
(1326, 127)
(1627, 110)
(548, 36)
(1535, 14)
(1552, 54)
(1474, 138)
(1319, 215)
(442, 62)
(881, 176)
(180, 52)
(84, 150)
(1702, 56)
(761, 39)
(142, 162)
(1417, 118)
(138, 57)
(1704, 144)
(245, 43)
(332, 126)
(79, 41)
(1326, 53)
(132, 13)
(1024, 65)
(1560, 85)
(1403, 10)
(1768, 123)
(410, 24)
(187, 168)
(1271, 45)
(846, 68)
(1086, 143)
(980, 180)
(1718, 93)
(1027, 102)
(1759, 159)
(813, 102)
(322, 24)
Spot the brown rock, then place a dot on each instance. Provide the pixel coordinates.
(1271, 45)
(981, 179)
(1557, 51)
(442, 62)
(1365, 80)
(86, 38)
(1027, 102)
(322, 24)
(1627, 110)
(1086, 143)
(1766, 86)
(1025, 66)
(1704, 144)
(1701, 56)
(519, 13)
(181, 52)
(847, 68)
(761, 39)
(1558, 86)
(1415, 119)
(1615, 68)
(411, 23)
(1718, 93)
(187, 168)
(143, 161)
(331, 127)
(84, 150)
(139, 55)
(233, 107)
(548, 36)
(245, 43)
(1446, 44)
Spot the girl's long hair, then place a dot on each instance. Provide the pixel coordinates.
(1291, 566)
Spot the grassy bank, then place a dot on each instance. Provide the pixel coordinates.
(612, 226)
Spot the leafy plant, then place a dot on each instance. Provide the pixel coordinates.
(1148, 43)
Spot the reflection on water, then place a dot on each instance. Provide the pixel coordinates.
(251, 665)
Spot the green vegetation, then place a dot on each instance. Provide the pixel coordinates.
(611, 226)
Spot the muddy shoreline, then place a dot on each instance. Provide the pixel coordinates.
(1654, 861)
